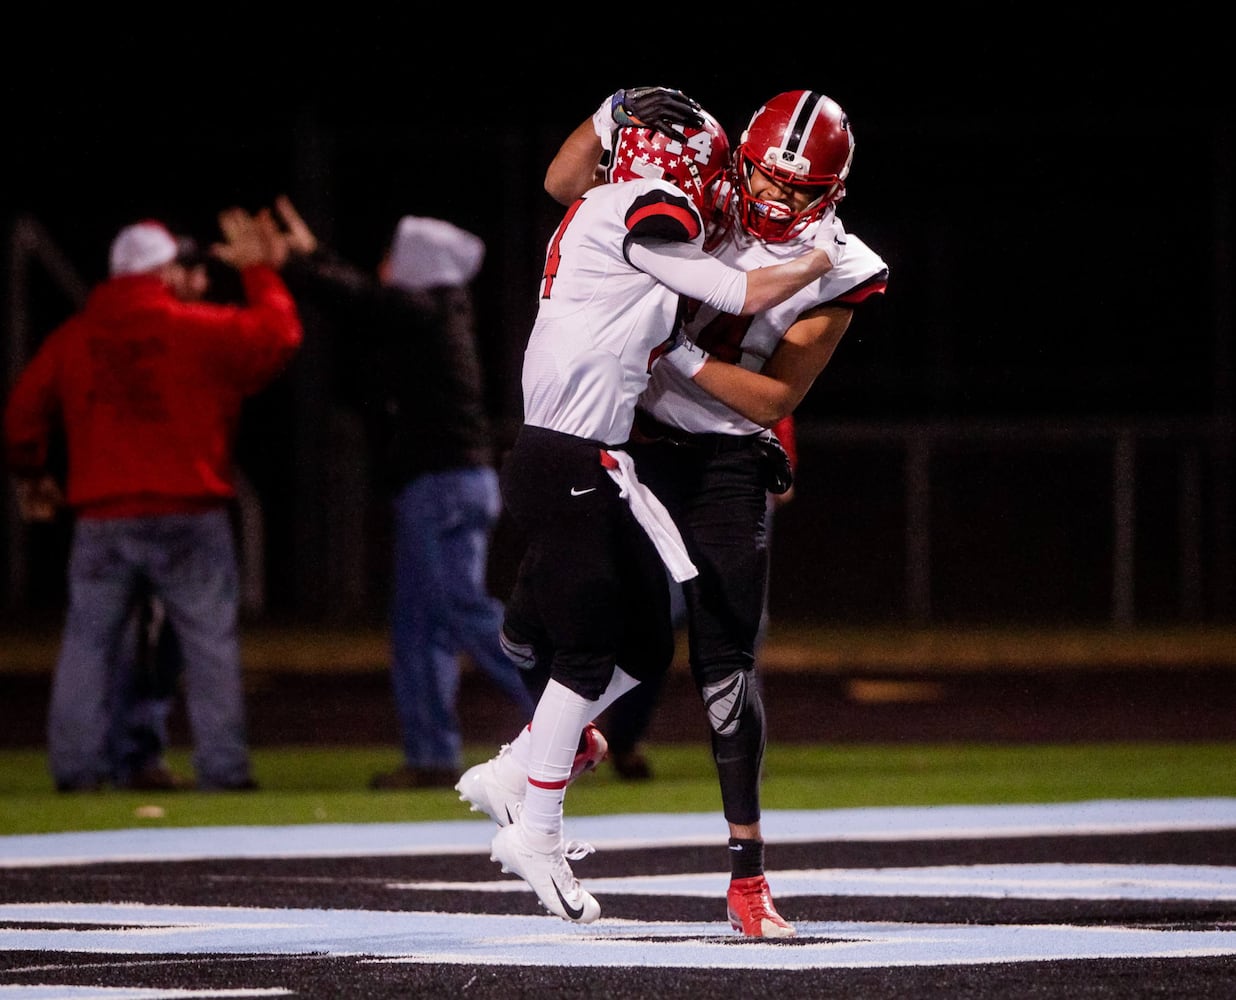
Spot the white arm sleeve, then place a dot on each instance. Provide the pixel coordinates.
(687, 270)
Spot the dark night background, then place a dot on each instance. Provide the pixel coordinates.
(1052, 192)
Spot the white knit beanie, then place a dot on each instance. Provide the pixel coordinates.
(142, 247)
(430, 252)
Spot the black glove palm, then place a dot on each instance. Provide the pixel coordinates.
(658, 108)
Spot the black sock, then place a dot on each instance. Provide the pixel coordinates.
(746, 858)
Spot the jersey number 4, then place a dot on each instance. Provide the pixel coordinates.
(553, 259)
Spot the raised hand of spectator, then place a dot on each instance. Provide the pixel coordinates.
(276, 239)
(246, 241)
(297, 234)
(38, 500)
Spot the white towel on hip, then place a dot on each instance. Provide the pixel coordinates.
(652, 517)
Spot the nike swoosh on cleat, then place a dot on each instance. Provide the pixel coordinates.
(573, 912)
(580, 493)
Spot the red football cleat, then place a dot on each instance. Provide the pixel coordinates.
(751, 909)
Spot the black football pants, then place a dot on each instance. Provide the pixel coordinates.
(712, 486)
(591, 590)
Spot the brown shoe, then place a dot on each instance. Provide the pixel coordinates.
(158, 777)
(415, 777)
(88, 786)
(246, 785)
(631, 765)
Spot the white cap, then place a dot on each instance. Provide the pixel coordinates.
(142, 247)
(426, 253)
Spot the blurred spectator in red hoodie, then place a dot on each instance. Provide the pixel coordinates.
(148, 388)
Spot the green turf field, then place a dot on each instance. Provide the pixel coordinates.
(328, 785)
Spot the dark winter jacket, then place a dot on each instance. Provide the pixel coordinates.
(414, 355)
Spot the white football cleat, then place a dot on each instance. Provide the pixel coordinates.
(548, 874)
(482, 787)
(492, 788)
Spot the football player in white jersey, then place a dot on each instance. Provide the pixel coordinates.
(591, 591)
(704, 460)
(706, 454)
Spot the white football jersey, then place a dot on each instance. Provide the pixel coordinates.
(749, 341)
(610, 297)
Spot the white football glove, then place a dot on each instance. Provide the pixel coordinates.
(830, 237)
(684, 355)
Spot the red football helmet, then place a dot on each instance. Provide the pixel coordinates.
(693, 163)
(800, 138)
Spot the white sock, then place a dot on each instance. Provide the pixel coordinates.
(513, 767)
(619, 684)
(560, 717)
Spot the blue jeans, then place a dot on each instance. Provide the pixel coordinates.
(148, 678)
(189, 562)
(441, 608)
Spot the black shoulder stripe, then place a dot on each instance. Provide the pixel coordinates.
(875, 285)
(663, 215)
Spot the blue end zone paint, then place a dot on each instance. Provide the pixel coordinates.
(520, 940)
(638, 830)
